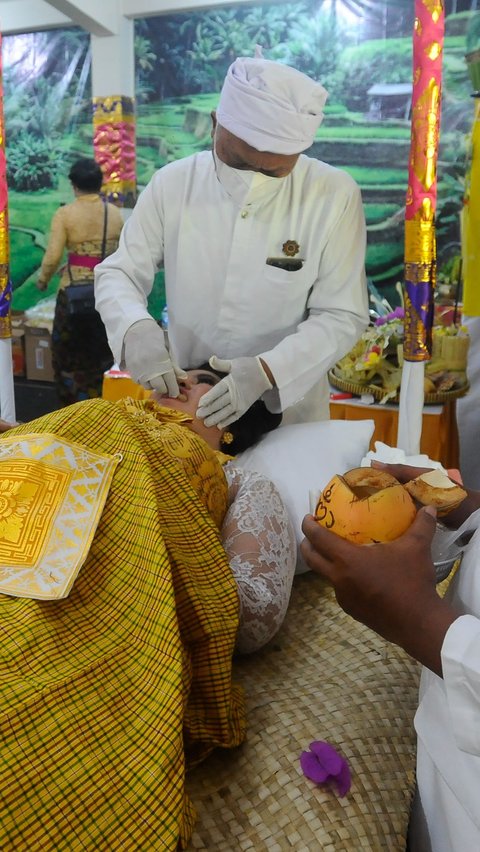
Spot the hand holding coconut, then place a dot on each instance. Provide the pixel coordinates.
(369, 505)
(365, 506)
(457, 505)
(389, 585)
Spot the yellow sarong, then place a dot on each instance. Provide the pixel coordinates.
(105, 693)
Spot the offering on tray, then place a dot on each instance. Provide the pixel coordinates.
(376, 359)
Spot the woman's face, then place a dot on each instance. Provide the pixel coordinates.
(199, 382)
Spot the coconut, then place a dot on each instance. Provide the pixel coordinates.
(365, 506)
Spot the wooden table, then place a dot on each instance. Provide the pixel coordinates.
(439, 426)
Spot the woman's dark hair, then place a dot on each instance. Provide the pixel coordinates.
(250, 427)
(86, 175)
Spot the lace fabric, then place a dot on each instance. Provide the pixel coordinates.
(259, 539)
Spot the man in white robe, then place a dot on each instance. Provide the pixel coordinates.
(263, 250)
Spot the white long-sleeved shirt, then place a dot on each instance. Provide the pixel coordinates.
(223, 297)
(448, 723)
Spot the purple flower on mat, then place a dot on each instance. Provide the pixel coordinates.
(324, 765)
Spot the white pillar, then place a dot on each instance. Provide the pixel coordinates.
(113, 64)
(113, 91)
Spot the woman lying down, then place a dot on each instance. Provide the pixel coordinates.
(108, 692)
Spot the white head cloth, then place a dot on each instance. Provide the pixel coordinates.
(271, 106)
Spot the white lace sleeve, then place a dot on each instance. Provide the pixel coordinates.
(260, 543)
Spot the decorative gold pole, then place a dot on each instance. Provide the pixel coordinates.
(114, 146)
(420, 243)
(7, 395)
(471, 203)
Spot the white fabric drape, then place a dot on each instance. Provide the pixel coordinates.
(7, 395)
(411, 407)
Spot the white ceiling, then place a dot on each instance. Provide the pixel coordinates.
(100, 17)
(30, 15)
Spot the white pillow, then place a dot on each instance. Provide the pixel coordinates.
(302, 457)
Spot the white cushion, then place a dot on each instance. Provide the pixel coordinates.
(301, 458)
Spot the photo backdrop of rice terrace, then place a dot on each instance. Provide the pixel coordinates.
(361, 50)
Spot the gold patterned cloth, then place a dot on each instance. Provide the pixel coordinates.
(52, 494)
(105, 694)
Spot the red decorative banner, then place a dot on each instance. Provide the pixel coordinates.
(114, 146)
(420, 243)
(5, 284)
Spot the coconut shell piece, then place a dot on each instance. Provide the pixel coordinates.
(435, 488)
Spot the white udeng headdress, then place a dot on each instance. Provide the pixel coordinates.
(271, 106)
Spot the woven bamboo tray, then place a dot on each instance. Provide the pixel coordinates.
(379, 393)
(323, 677)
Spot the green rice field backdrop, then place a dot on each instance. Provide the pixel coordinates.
(361, 51)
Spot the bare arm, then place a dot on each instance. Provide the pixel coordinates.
(54, 251)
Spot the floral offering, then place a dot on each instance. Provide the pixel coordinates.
(376, 359)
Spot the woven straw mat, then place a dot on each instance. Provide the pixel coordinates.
(323, 677)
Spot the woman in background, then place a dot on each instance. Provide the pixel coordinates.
(89, 228)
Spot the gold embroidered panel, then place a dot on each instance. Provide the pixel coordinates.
(52, 494)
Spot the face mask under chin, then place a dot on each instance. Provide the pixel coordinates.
(260, 181)
(236, 182)
(243, 184)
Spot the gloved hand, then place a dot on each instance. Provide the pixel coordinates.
(147, 358)
(227, 401)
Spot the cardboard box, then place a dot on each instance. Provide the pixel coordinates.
(38, 354)
(17, 319)
(18, 351)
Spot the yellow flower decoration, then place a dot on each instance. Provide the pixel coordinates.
(372, 359)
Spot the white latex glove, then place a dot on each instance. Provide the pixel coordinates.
(227, 401)
(147, 358)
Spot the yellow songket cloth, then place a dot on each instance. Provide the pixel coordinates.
(107, 693)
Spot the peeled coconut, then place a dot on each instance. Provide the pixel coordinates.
(365, 506)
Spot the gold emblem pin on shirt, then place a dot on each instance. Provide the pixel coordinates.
(290, 248)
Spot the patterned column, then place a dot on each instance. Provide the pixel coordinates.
(471, 203)
(114, 146)
(420, 243)
(7, 393)
(5, 283)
